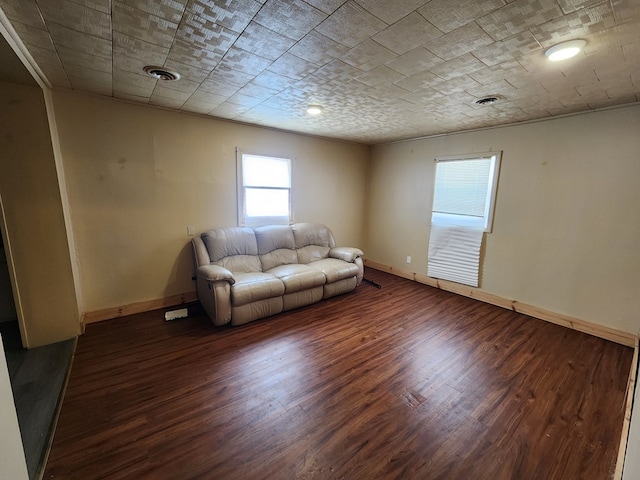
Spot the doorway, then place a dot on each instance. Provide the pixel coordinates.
(37, 375)
(9, 326)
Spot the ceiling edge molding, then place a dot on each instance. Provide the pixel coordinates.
(513, 124)
(14, 41)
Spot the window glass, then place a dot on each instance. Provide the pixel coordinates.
(262, 202)
(264, 190)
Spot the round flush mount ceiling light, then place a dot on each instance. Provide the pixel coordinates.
(565, 50)
(161, 73)
(314, 110)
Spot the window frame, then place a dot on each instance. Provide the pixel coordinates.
(464, 220)
(243, 220)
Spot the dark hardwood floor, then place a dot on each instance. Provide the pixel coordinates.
(405, 382)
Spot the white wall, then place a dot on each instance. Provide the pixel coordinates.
(565, 234)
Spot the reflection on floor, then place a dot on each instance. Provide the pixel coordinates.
(37, 378)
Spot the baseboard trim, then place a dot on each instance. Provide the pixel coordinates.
(624, 437)
(138, 307)
(56, 416)
(607, 333)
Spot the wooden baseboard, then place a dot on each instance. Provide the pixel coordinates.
(138, 307)
(624, 437)
(56, 416)
(607, 333)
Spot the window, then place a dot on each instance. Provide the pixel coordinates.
(465, 190)
(264, 190)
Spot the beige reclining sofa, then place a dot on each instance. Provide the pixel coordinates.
(244, 274)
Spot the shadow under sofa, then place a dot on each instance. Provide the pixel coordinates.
(245, 274)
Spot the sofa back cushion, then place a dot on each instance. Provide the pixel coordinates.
(276, 246)
(313, 241)
(233, 248)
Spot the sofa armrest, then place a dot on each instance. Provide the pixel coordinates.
(214, 292)
(348, 254)
(200, 253)
(215, 273)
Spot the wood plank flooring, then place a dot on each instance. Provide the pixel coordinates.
(405, 382)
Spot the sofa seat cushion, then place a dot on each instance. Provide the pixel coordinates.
(335, 269)
(254, 286)
(298, 277)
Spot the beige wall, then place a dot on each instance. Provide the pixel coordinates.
(34, 226)
(137, 176)
(566, 234)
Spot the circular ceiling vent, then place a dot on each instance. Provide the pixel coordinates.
(486, 100)
(161, 73)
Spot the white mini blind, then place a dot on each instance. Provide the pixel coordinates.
(462, 187)
(266, 172)
(454, 253)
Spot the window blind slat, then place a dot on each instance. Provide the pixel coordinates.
(461, 187)
(454, 253)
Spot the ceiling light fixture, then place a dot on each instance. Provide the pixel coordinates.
(161, 73)
(565, 50)
(314, 110)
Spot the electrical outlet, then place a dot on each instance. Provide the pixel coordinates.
(408, 258)
(190, 231)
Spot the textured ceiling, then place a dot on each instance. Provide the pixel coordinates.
(382, 69)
